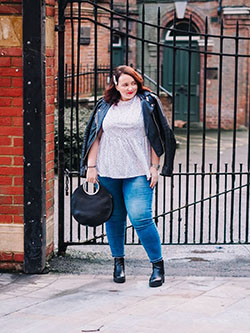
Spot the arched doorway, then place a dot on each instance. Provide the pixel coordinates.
(182, 70)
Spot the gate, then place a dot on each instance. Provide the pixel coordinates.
(206, 201)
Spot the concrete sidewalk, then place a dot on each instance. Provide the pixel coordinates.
(74, 303)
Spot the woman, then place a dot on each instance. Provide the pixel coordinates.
(124, 139)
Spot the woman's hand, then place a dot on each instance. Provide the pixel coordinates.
(91, 176)
(154, 176)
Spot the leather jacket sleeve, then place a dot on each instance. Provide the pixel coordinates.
(167, 137)
(86, 137)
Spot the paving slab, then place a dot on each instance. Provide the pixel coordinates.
(74, 303)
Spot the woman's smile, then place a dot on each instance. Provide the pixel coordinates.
(127, 87)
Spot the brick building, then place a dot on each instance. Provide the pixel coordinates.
(230, 11)
(82, 39)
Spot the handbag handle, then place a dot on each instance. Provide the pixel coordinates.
(95, 186)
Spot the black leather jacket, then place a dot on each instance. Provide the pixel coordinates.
(158, 131)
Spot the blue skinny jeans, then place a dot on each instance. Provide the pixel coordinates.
(132, 197)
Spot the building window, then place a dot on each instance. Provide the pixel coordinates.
(85, 36)
(117, 41)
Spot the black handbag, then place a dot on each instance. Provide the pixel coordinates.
(91, 209)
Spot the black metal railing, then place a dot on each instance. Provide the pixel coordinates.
(205, 229)
(86, 81)
(202, 203)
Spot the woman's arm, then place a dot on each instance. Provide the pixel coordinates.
(154, 168)
(91, 175)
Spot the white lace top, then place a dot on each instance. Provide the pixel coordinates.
(124, 150)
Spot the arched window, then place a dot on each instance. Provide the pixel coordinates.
(181, 30)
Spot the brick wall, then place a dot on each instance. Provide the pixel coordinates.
(11, 132)
(11, 135)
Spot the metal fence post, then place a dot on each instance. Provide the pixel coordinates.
(34, 136)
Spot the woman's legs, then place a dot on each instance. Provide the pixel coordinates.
(116, 225)
(138, 198)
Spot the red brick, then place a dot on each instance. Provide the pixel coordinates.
(50, 162)
(5, 180)
(18, 161)
(51, 2)
(50, 71)
(5, 130)
(5, 200)
(50, 90)
(13, 92)
(11, 9)
(18, 142)
(50, 118)
(11, 150)
(17, 101)
(6, 256)
(10, 209)
(5, 218)
(18, 219)
(17, 121)
(18, 257)
(11, 51)
(15, 190)
(50, 147)
(50, 180)
(10, 72)
(50, 128)
(17, 82)
(4, 141)
(11, 111)
(50, 62)
(50, 156)
(16, 1)
(17, 62)
(50, 52)
(50, 110)
(50, 11)
(50, 204)
(5, 61)
(50, 137)
(5, 101)
(50, 81)
(12, 171)
(5, 82)
(49, 194)
(18, 181)
(18, 199)
(5, 161)
(5, 121)
(11, 266)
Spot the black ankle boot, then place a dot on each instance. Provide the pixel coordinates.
(157, 278)
(119, 270)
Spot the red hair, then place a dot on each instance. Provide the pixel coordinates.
(111, 94)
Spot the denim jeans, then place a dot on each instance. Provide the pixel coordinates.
(132, 197)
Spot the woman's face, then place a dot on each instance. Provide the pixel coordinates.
(127, 87)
